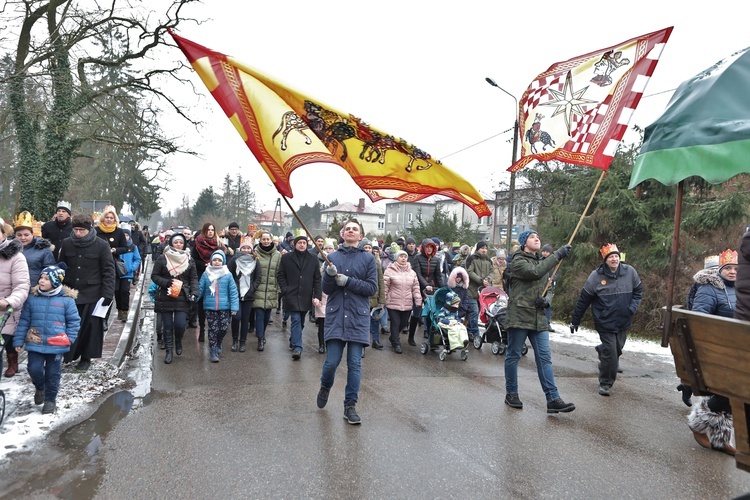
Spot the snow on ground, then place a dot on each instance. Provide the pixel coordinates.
(24, 423)
(587, 337)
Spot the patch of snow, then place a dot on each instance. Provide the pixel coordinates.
(24, 423)
(587, 337)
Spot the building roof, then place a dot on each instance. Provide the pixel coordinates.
(352, 208)
(268, 216)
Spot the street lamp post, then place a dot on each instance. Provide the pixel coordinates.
(512, 188)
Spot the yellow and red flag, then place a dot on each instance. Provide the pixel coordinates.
(285, 129)
(578, 110)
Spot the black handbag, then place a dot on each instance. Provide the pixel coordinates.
(121, 269)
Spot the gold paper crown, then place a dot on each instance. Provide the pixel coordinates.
(24, 219)
(728, 256)
(608, 249)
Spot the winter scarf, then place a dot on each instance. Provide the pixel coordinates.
(206, 247)
(245, 266)
(108, 228)
(214, 273)
(177, 261)
(83, 241)
(266, 248)
(50, 293)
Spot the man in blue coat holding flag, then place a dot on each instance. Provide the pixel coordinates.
(349, 281)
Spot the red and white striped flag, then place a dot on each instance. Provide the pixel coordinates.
(578, 110)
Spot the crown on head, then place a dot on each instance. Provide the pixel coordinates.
(24, 219)
(65, 204)
(246, 241)
(711, 261)
(608, 249)
(728, 256)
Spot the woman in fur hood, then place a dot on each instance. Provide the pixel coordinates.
(14, 288)
(711, 419)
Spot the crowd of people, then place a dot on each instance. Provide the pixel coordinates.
(73, 268)
(57, 283)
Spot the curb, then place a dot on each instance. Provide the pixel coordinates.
(131, 324)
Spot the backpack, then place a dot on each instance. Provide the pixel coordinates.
(691, 296)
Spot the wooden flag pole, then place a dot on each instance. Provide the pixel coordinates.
(304, 227)
(575, 231)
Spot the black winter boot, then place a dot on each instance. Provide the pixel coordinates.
(178, 343)
(168, 344)
(413, 324)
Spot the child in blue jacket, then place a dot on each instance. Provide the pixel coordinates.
(48, 326)
(220, 299)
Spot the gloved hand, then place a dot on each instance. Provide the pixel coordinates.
(541, 302)
(106, 302)
(192, 298)
(234, 313)
(573, 328)
(563, 252)
(331, 270)
(341, 279)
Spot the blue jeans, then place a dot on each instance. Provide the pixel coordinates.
(295, 332)
(473, 327)
(542, 357)
(262, 317)
(45, 371)
(174, 322)
(375, 328)
(334, 352)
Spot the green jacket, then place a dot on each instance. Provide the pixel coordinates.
(479, 268)
(528, 279)
(379, 297)
(267, 294)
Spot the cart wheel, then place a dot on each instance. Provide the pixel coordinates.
(524, 350)
(2, 407)
(464, 355)
(496, 346)
(442, 355)
(478, 341)
(425, 348)
(503, 348)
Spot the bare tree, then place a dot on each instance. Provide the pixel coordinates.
(90, 65)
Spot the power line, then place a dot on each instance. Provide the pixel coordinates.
(511, 130)
(476, 143)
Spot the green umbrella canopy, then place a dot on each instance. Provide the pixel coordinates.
(705, 130)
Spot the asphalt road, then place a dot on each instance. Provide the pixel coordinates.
(248, 427)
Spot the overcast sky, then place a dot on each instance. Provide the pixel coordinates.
(416, 69)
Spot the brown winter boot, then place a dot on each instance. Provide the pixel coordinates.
(12, 364)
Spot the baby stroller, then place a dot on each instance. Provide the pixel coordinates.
(3, 320)
(493, 305)
(437, 333)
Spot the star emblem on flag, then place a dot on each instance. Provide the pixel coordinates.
(568, 101)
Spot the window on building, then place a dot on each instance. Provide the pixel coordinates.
(532, 209)
(390, 218)
(381, 225)
(409, 217)
(398, 218)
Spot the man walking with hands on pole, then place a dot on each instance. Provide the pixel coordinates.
(527, 318)
(349, 281)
